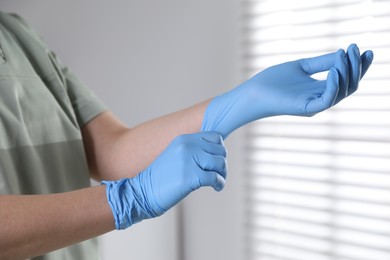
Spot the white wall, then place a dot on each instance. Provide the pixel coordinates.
(145, 59)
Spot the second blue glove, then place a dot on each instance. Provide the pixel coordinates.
(288, 89)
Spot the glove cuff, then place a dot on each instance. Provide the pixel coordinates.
(128, 202)
(214, 116)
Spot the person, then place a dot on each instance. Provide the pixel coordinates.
(55, 135)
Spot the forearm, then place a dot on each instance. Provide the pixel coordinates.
(115, 151)
(143, 143)
(37, 224)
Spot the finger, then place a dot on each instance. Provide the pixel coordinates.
(328, 97)
(355, 68)
(208, 162)
(342, 67)
(215, 149)
(212, 179)
(318, 64)
(213, 144)
(212, 137)
(367, 58)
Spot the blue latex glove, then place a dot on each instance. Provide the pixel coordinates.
(288, 89)
(188, 163)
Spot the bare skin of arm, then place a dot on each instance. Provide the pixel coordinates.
(33, 225)
(115, 151)
(37, 224)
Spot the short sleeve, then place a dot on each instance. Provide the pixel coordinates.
(85, 103)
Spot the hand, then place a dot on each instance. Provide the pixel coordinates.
(188, 163)
(289, 89)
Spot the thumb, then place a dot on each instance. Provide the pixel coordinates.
(213, 179)
(328, 97)
(318, 64)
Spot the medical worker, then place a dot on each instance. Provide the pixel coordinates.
(55, 135)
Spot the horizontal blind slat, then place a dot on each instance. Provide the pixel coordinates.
(330, 14)
(264, 7)
(376, 229)
(308, 241)
(323, 213)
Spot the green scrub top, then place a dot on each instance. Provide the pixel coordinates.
(42, 108)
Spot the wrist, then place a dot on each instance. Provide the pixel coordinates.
(130, 202)
(226, 112)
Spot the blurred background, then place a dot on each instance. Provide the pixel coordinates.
(298, 188)
(145, 59)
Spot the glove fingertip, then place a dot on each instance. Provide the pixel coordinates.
(370, 55)
(353, 48)
(355, 68)
(367, 59)
(341, 53)
(220, 184)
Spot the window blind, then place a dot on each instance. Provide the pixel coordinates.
(319, 188)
